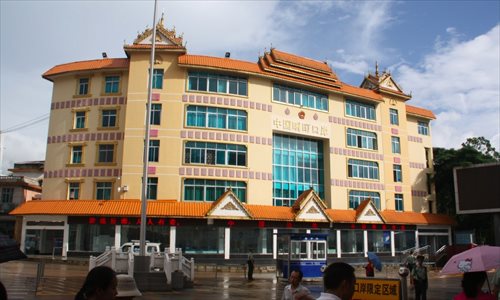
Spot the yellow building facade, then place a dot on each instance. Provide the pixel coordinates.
(270, 130)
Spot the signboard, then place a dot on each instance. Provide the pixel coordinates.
(377, 289)
(477, 189)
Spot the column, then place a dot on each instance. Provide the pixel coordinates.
(275, 243)
(23, 235)
(65, 243)
(449, 236)
(227, 242)
(365, 242)
(339, 244)
(393, 244)
(416, 239)
(173, 231)
(118, 236)
(262, 242)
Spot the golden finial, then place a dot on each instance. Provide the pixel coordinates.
(376, 68)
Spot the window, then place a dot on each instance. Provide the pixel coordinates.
(211, 190)
(83, 86)
(394, 116)
(423, 128)
(396, 146)
(300, 97)
(356, 197)
(7, 194)
(215, 154)
(360, 110)
(154, 150)
(80, 118)
(397, 173)
(217, 83)
(214, 117)
(73, 190)
(152, 190)
(111, 84)
(106, 153)
(357, 168)
(103, 190)
(155, 118)
(297, 165)
(108, 118)
(398, 199)
(76, 154)
(158, 78)
(361, 139)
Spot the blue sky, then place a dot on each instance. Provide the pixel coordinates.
(446, 53)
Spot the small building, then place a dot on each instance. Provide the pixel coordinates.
(23, 184)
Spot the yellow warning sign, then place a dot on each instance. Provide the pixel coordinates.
(377, 289)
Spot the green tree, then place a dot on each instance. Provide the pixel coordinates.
(474, 151)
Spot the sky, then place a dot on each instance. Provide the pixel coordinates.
(445, 53)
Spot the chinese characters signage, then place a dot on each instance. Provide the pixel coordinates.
(377, 289)
(319, 129)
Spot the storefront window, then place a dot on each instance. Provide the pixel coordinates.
(91, 237)
(404, 240)
(154, 234)
(351, 241)
(43, 241)
(379, 241)
(200, 239)
(255, 240)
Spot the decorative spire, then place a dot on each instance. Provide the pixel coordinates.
(376, 68)
(161, 20)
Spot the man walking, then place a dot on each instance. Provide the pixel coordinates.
(338, 281)
(295, 290)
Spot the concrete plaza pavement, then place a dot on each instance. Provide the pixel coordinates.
(62, 281)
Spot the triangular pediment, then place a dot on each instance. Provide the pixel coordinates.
(390, 84)
(228, 206)
(310, 208)
(367, 212)
(164, 36)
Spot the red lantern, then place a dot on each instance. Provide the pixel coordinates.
(172, 222)
(112, 221)
(161, 222)
(289, 224)
(363, 226)
(230, 223)
(384, 226)
(261, 224)
(314, 225)
(124, 221)
(374, 226)
(92, 220)
(353, 226)
(102, 221)
(150, 222)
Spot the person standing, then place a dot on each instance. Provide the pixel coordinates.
(295, 290)
(419, 278)
(250, 264)
(370, 272)
(472, 282)
(338, 281)
(496, 284)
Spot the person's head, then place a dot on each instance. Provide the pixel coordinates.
(420, 259)
(100, 284)
(295, 277)
(339, 279)
(126, 287)
(472, 282)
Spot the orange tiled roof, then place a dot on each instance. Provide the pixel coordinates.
(360, 92)
(218, 62)
(267, 212)
(421, 112)
(407, 217)
(342, 215)
(300, 61)
(97, 64)
(172, 208)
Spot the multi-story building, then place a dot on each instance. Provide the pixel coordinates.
(239, 154)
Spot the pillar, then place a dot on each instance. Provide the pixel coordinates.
(393, 244)
(227, 242)
(365, 242)
(172, 239)
(275, 243)
(118, 236)
(339, 244)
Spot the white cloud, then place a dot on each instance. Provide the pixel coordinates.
(19, 146)
(460, 81)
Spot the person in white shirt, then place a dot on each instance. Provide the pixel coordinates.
(295, 290)
(338, 281)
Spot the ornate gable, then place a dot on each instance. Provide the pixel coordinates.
(228, 206)
(383, 83)
(310, 208)
(164, 36)
(368, 213)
